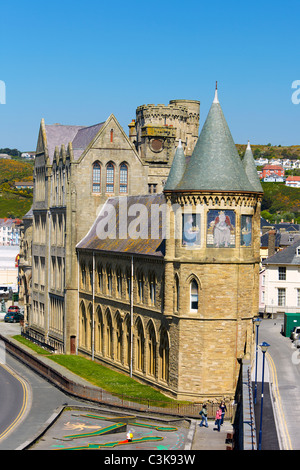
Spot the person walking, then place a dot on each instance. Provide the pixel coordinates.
(203, 414)
(218, 419)
(224, 409)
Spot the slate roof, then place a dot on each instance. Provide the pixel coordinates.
(251, 170)
(112, 210)
(215, 164)
(285, 257)
(80, 136)
(177, 168)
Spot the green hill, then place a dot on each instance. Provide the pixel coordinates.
(14, 203)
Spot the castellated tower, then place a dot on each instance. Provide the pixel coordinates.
(156, 133)
(212, 260)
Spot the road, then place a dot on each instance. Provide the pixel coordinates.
(283, 361)
(28, 400)
(14, 400)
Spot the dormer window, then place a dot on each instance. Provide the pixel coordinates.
(298, 251)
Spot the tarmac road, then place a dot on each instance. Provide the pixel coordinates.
(283, 374)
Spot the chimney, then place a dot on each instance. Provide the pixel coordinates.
(271, 243)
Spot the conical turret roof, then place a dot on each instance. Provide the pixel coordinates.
(251, 170)
(215, 164)
(177, 168)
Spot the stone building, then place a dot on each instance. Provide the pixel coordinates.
(168, 283)
(145, 258)
(76, 169)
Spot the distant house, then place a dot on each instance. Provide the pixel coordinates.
(5, 156)
(280, 281)
(28, 155)
(293, 181)
(9, 232)
(24, 184)
(273, 173)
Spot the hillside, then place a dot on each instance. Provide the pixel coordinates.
(14, 203)
(270, 151)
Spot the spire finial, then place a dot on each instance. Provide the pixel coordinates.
(216, 100)
(179, 144)
(248, 146)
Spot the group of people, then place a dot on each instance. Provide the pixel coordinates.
(219, 419)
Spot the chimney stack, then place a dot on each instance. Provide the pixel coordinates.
(271, 242)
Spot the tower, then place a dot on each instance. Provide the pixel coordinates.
(212, 260)
(156, 132)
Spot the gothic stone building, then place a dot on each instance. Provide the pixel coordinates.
(162, 286)
(76, 169)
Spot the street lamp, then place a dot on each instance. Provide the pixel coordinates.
(257, 322)
(263, 346)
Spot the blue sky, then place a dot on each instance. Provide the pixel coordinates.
(77, 62)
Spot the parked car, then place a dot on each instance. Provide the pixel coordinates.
(14, 314)
(5, 292)
(295, 332)
(13, 308)
(297, 342)
(13, 317)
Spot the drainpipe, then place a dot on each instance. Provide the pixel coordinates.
(131, 316)
(78, 273)
(93, 309)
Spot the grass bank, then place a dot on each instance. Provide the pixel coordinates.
(103, 377)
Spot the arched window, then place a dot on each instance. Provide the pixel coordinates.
(140, 343)
(83, 326)
(109, 281)
(194, 296)
(99, 331)
(109, 335)
(96, 177)
(152, 289)
(140, 287)
(164, 349)
(119, 337)
(110, 175)
(123, 178)
(151, 350)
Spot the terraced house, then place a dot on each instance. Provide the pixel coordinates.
(159, 280)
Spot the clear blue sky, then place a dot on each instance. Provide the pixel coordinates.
(77, 62)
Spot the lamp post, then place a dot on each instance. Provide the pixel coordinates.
(264, 346)
(257, 322)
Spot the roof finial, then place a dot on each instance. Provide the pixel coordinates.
(216, 100)
(248, 146)
(179, 144)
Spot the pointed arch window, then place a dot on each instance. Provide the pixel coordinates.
(194, 296)
(96, 177)
(110, 177)
(123, 178)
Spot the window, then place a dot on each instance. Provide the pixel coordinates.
(281, 297)
(298, 297)
(194, 296)
(96, 177)
(109, 281)
(282, 273)
(119, 283)
(152, 288)
(110, 174)
(152, 188)
(141, 288)
(123, 178)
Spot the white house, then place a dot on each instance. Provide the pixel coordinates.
(280, 281)
(293, 181)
